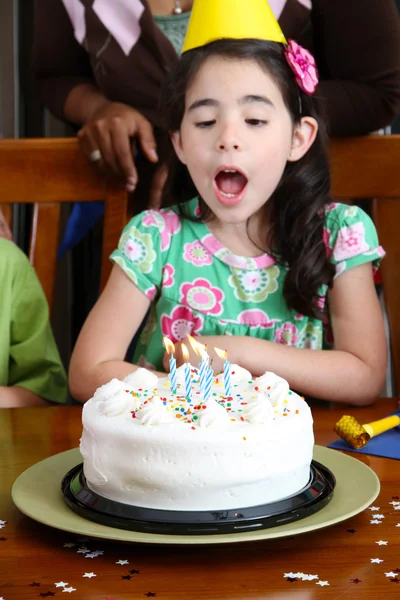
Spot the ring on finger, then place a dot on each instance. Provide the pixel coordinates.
(95, 156)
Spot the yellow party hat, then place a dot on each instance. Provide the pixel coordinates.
(238, 19)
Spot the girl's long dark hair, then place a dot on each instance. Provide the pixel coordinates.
(295, 211)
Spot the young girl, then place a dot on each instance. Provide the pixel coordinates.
(252, 258)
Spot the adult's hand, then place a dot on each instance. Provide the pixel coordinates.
(113, 130)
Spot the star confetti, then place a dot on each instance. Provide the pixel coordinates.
(89, 575)
(378, 516)
(126, 577)
(69, 545)
(374, 508)
(122, 562)
(376, 560)
(61, 584)
(391, 574)
(69, 589)
(376, 522)
(82, 550)
(3, 522)
(397, 507)
(356, 580)
(310, 577)
(1, 526)
(398, 525)
(322, 583)
(382, 543)
(394, 504)
(91, 555)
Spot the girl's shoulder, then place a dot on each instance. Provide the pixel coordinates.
(350, 235)
(339, 215)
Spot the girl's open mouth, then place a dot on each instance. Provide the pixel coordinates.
(230, 185)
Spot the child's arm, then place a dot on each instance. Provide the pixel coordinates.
(353, 372)
(99, 354)
(15, 397)
(34, 372)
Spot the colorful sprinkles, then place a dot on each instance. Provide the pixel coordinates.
(186, 409)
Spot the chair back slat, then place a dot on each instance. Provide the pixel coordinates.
(44, 242)
(6, 209)
(369, 167)
(46, 173)
(386, 214)
(365, 167)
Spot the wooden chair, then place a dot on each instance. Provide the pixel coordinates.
(46, 173)
(369, 167)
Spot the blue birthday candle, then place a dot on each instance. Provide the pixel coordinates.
(209, 380)
(170, 348)
(227, 379)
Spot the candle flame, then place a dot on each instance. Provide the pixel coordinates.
(221, 353)
(169, 346)
(200, 349)
(185, 353)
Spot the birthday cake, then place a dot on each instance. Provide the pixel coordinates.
(143, 444)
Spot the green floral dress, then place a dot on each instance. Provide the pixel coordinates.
(199, 287)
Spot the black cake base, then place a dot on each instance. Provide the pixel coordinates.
(89, 505)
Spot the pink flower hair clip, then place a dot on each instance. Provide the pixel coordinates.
(303, 66)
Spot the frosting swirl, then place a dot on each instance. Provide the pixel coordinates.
(238, 374)
(259, 410)
(154, 412)
(108, 389)
(116, 405)
(213, 415)
(275, 386)
(141, 378)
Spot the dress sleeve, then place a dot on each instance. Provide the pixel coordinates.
(34, 361)
(357, 46)
(351, 238)
(59, 62)
(140, 251)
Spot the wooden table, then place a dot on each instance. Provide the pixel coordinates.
(34, 557)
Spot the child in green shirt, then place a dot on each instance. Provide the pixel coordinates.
(31, 372)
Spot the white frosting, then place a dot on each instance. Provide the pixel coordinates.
(141, 378)
(155, 413)
(238, 374)
(275, 386)
(148, 447)
(116, 405)
(108, 389)
(259, 410)
(212, 414)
